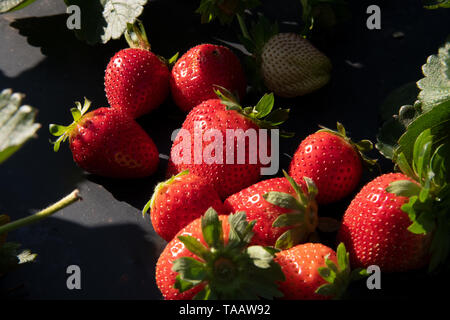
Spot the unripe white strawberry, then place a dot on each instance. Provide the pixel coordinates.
(291, 66)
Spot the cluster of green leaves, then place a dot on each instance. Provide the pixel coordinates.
(417, 139)
(302, 217)
(429, 199)
(339, 276)
(263, 113)
(229, 270)
(421, 111)
(63, 132)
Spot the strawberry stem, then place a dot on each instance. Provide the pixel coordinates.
(136, 36)
(64, 202)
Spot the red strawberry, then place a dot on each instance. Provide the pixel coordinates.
(375, 229)
(284, 214)
(108, 143)
(136, 80)
(332, 161)
(224, 170)
(180, 200)
(196, 73)
(314, 271)
(210, 259)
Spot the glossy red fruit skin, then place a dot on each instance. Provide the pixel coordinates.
(110, 143)
(331, 162)
(374, 229)
(184, 200)
(165, 277)
(300, 267)
(136, 81)
(225, 177)
(257, 208)
(194, 75)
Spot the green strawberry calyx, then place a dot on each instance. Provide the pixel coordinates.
(262, 113)
(63, 132)
(231, 270)
(302, 218)
(361, 147)
(161, 187)
(429, 196)
(136, 37)
(338, 277)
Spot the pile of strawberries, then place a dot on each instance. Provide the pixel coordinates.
(230, 235)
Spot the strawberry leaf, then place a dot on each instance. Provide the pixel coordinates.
(13, 5)
(16, 123)
(103, 20)
(435, 87)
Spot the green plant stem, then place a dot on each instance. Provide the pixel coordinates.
(64, 202)
(243, 26)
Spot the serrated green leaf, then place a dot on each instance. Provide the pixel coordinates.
(16, 123)
(435, 87)
(13, 5)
